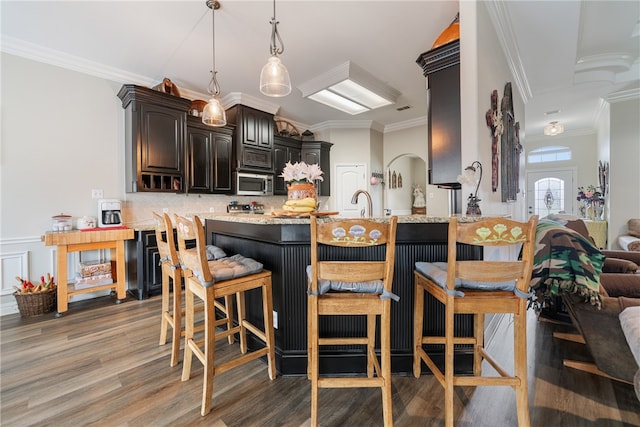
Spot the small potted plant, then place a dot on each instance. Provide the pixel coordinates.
(302, 195)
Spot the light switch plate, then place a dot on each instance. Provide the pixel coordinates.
(97, 194)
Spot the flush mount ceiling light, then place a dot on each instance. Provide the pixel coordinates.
(553, 128)
(349, 88)
(213, 114)
(274, 78)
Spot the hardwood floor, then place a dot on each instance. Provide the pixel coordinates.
(101, 365)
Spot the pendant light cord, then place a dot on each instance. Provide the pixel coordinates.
(214, 86)
(275, 35)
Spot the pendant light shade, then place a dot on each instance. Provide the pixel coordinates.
(274, 78)
(213, 114)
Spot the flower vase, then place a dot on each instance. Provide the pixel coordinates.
(301, 190)
(598, 212)
(582, 209)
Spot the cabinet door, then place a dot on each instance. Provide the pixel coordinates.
(199, 157)
(161, 135)
(444, 147)
(280, 155)
(318, 152)
(222, 154)
(153, 271)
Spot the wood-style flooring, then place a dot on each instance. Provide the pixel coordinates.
(101, 365)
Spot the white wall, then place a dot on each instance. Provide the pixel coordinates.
(624, 196)
(483, 69)
(62, 135)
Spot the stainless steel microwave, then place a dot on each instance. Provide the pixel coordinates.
(253, 184)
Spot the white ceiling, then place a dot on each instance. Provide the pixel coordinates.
(568, 54)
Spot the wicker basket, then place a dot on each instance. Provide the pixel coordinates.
(36, 304)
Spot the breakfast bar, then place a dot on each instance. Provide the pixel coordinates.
(283, 246)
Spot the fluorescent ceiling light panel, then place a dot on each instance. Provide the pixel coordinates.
(349, 88)
(338, 102)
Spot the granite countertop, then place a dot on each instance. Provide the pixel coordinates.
(268, 219)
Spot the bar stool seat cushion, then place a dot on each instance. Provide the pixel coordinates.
(214, 252)
(437, 271)
(370, 287)
(230, 268)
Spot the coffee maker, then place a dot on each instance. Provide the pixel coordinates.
(109, 213)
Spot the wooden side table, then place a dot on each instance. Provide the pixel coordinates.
(597, 230)
(76, 240)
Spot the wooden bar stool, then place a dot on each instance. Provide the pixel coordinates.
(478, 288)
(209, 280)
(172, 286)
(363, 287)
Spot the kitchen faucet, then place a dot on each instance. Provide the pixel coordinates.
(354, 200)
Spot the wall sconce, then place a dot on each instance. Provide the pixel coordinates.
(469, 177)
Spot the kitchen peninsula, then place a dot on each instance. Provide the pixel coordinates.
(282, 245)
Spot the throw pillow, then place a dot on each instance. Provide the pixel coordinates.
(634, 227)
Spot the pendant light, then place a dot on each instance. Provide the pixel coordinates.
(274, 78)
(213, 114)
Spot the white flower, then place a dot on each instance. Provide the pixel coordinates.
(301, 172)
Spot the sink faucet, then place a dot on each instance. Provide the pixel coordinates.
(354, 200)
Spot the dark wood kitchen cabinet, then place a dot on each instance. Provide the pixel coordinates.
(284, 150)
(318, 152)
(441, 67)
(208, 157)
(144, 274)
(155, 131)
(253, 137)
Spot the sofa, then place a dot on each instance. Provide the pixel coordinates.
(609, 322)
(631, 240)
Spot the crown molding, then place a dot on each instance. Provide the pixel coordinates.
(39, 53)
(233, 98)
(623, 95)
(407, 124)
(347, 124)
(502, 25)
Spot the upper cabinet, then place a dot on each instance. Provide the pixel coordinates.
(441, 67)
(318, 152)
(155, 131)
(208, 157)
(284, 150)
(253, 138)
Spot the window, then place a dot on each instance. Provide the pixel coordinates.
(549, 154)
(549, 196)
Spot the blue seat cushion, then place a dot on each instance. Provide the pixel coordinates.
(437, 272)
(214, 252)
(370, 287)
(230, 268)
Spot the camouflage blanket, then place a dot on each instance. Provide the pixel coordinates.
(564, 262)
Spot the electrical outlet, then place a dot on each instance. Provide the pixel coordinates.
(96, 194)
(275, 319)
(165, 210)
(212, 210)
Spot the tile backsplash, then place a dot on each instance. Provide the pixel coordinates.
(138, 207)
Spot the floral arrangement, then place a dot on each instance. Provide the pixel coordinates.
(300, 172)
(590, 195)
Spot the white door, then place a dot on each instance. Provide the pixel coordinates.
(551, 191)
(349, 178)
